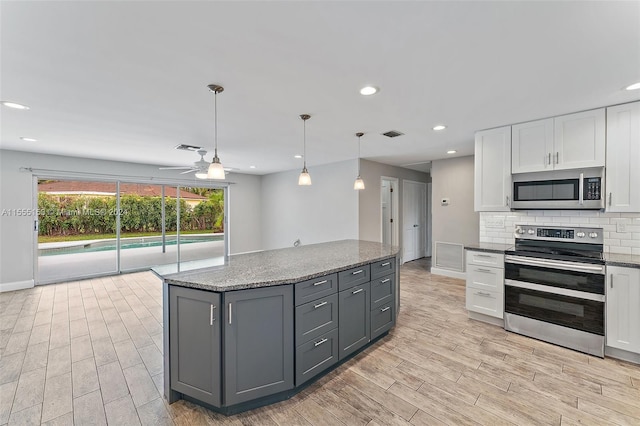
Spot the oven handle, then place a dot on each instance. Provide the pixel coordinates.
(551, 264)
(556, 290)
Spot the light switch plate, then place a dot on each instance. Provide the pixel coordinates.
(621, 227)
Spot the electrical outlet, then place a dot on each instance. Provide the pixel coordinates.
(621, 227)
(495, 223)
(444, 202)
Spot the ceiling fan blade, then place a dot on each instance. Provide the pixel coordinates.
(188, 171)
(175, 168)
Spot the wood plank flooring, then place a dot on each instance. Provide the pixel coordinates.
(90, 352)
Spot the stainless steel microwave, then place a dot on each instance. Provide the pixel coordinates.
(566, 190)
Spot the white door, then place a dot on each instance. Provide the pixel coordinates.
(414, 195)
(389, 210)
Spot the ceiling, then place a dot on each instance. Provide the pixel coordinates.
(127, 80)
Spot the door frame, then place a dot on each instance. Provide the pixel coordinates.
(422, 214)
(394, 182)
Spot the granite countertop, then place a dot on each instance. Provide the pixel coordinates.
(283, 266)
(628, 260)
(489, 247)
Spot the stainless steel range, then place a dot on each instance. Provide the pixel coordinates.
(555, 286)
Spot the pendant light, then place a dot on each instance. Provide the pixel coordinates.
(359, 183)
(216, 171)
(304, 178)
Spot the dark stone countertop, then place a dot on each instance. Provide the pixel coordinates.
(282, 266)
(489, 247)
(626, 260)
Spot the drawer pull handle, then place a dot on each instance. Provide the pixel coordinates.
(483, 294)
(483, 255)
(483, 270)
(386, 280)
(357, 272)
(318, 343)
(385, 309)
(386, 264)
(319, 305)
(357, 291)
(320, 283)
(211, 318)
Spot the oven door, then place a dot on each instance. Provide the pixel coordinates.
(581, 277)
(567, 308)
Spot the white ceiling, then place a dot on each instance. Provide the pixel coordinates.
(127, 80)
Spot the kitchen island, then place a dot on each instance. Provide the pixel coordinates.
(264, 325)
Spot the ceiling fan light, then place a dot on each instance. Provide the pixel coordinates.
(304, 179)
(216, 171)
(202, 174)
(358, 184)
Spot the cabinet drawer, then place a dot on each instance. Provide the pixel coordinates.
(382, 290)
(485, 302)
(485, 279)
(316, 356)
(485, 259)
(353, 277)
(309, 290)
(383, 267)
(316, 318)
(382, 319)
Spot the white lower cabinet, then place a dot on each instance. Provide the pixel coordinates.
(623, 308)
(485, 284)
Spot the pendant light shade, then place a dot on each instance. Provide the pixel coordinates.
(359, 183)
(216, 171)
(304, 179)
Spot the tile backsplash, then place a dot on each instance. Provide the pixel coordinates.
(621, 230)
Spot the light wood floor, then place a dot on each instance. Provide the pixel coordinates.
(89, 352)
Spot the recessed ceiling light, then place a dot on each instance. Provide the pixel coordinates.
(634, 86)
(252, 167)
(369, 90)
(297, 156)
(28, 139)
(451, 151)
(439, 127)
(14, 105)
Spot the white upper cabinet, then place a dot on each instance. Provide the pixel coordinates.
(623, 158)
(532, 144)
(492, 183)
(572, 141)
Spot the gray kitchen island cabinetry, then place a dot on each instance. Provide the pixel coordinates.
(260, 328)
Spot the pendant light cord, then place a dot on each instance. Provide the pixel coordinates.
(359, 156)
(304, 140)
(215, 121)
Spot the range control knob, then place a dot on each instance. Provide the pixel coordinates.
(519, 231)
(593, 234)
(580, 234)
(531, 231)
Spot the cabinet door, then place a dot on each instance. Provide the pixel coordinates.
(623, 308)
(531, 146)
(194, 336)
(492, 182)
(353, 311)
(258, 343)
(623, 158)
(579, 140)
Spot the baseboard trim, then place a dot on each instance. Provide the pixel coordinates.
(449, 273)
(622, 354)
(485, 318)
(16, 285)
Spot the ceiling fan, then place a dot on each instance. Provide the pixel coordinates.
(200, 167)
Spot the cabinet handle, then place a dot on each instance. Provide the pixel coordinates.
(386, 280)
(211, 318)
(385, 309)
(230, 307)
(557, 158)
(610, 198)
(357, 272)
(483, 255)
(611, 281)
(357, 291)
(480, 293)
(319, 305)
(549, 159)
(483, 270)
(385, 264)
(507, 201)
(320, 342)
(320, 283)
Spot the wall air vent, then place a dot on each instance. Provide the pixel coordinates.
(392, 134)
(184, 147)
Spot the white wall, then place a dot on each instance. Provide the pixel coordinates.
(17, 192)
(325, 211)
(498, 227)
(456, 223)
